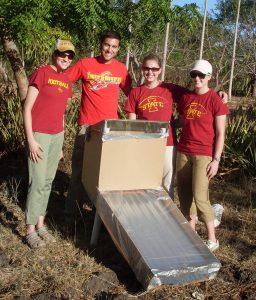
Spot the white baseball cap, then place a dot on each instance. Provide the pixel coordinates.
(202, 66)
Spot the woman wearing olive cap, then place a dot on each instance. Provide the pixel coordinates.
(44, 108)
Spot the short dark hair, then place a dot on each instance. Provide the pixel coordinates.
(110, 35)
(152, 57)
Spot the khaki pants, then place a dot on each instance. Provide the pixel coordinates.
(76, 192)
(193, 186)
(41, 175)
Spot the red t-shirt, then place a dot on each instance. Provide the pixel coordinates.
(155, 104)
(198, 132)
(50, 105)
(100, 84)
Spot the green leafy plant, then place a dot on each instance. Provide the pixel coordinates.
(240, 151)
(71, 116)
(11, 123)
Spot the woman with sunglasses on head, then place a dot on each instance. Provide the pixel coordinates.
(44, 108)
(203, 118)
(153, 101)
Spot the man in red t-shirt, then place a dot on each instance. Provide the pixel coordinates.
(101, 76)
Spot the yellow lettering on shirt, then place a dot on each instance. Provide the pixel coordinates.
(58, 83)
(105, 78)
(194, 110)
(152, 104)
(101, 81)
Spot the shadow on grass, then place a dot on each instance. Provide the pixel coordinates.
(106, 253)
(14, 182)
(14, 186)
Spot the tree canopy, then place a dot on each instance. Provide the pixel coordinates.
(35, 25)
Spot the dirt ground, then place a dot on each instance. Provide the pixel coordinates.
(71, 269)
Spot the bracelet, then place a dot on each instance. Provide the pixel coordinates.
(216, 158)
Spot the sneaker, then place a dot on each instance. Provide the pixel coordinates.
(211, 245)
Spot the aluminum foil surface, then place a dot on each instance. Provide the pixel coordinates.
(155, 238)
(127, 129)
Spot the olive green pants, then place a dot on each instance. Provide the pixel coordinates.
(41, 175)
(193, 186)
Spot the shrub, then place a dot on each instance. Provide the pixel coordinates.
(11, 123)
(12, 135)
(240, 151)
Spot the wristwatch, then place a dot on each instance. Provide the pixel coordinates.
(217, 158)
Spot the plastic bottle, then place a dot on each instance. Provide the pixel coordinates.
(218, 211)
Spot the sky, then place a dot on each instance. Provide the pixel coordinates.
(200, 3)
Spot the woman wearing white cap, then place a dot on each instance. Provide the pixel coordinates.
(203, 116)
(44, 108)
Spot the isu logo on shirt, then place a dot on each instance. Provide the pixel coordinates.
(101, 81)
(194, 110)
(152, 104)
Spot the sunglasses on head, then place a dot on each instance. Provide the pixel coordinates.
(147, 69)
(195, 74)
(66, 54)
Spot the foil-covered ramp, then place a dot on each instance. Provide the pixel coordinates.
(155, 238)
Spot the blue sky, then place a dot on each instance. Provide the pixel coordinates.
(200, 3)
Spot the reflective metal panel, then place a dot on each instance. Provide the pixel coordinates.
(155, 238)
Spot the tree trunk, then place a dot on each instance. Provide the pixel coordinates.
(203, 30)
(165, 50)
(234, 52)
(128, 49)
(14, 57)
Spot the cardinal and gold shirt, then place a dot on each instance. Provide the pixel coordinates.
(155, 104)
(54, 90)
(198, 132)
(100, 87)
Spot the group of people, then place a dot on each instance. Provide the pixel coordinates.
(202, 116)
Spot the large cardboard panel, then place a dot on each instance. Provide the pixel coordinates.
(123, 160)
(131, 164)
(91, 165)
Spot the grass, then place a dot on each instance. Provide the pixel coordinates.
(60, 271)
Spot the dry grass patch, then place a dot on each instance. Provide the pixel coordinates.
(61, 270)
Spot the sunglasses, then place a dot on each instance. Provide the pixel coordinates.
(199, 74)
(147, 69)
(65, 54)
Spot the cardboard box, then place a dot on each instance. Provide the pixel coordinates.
(124, 155)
